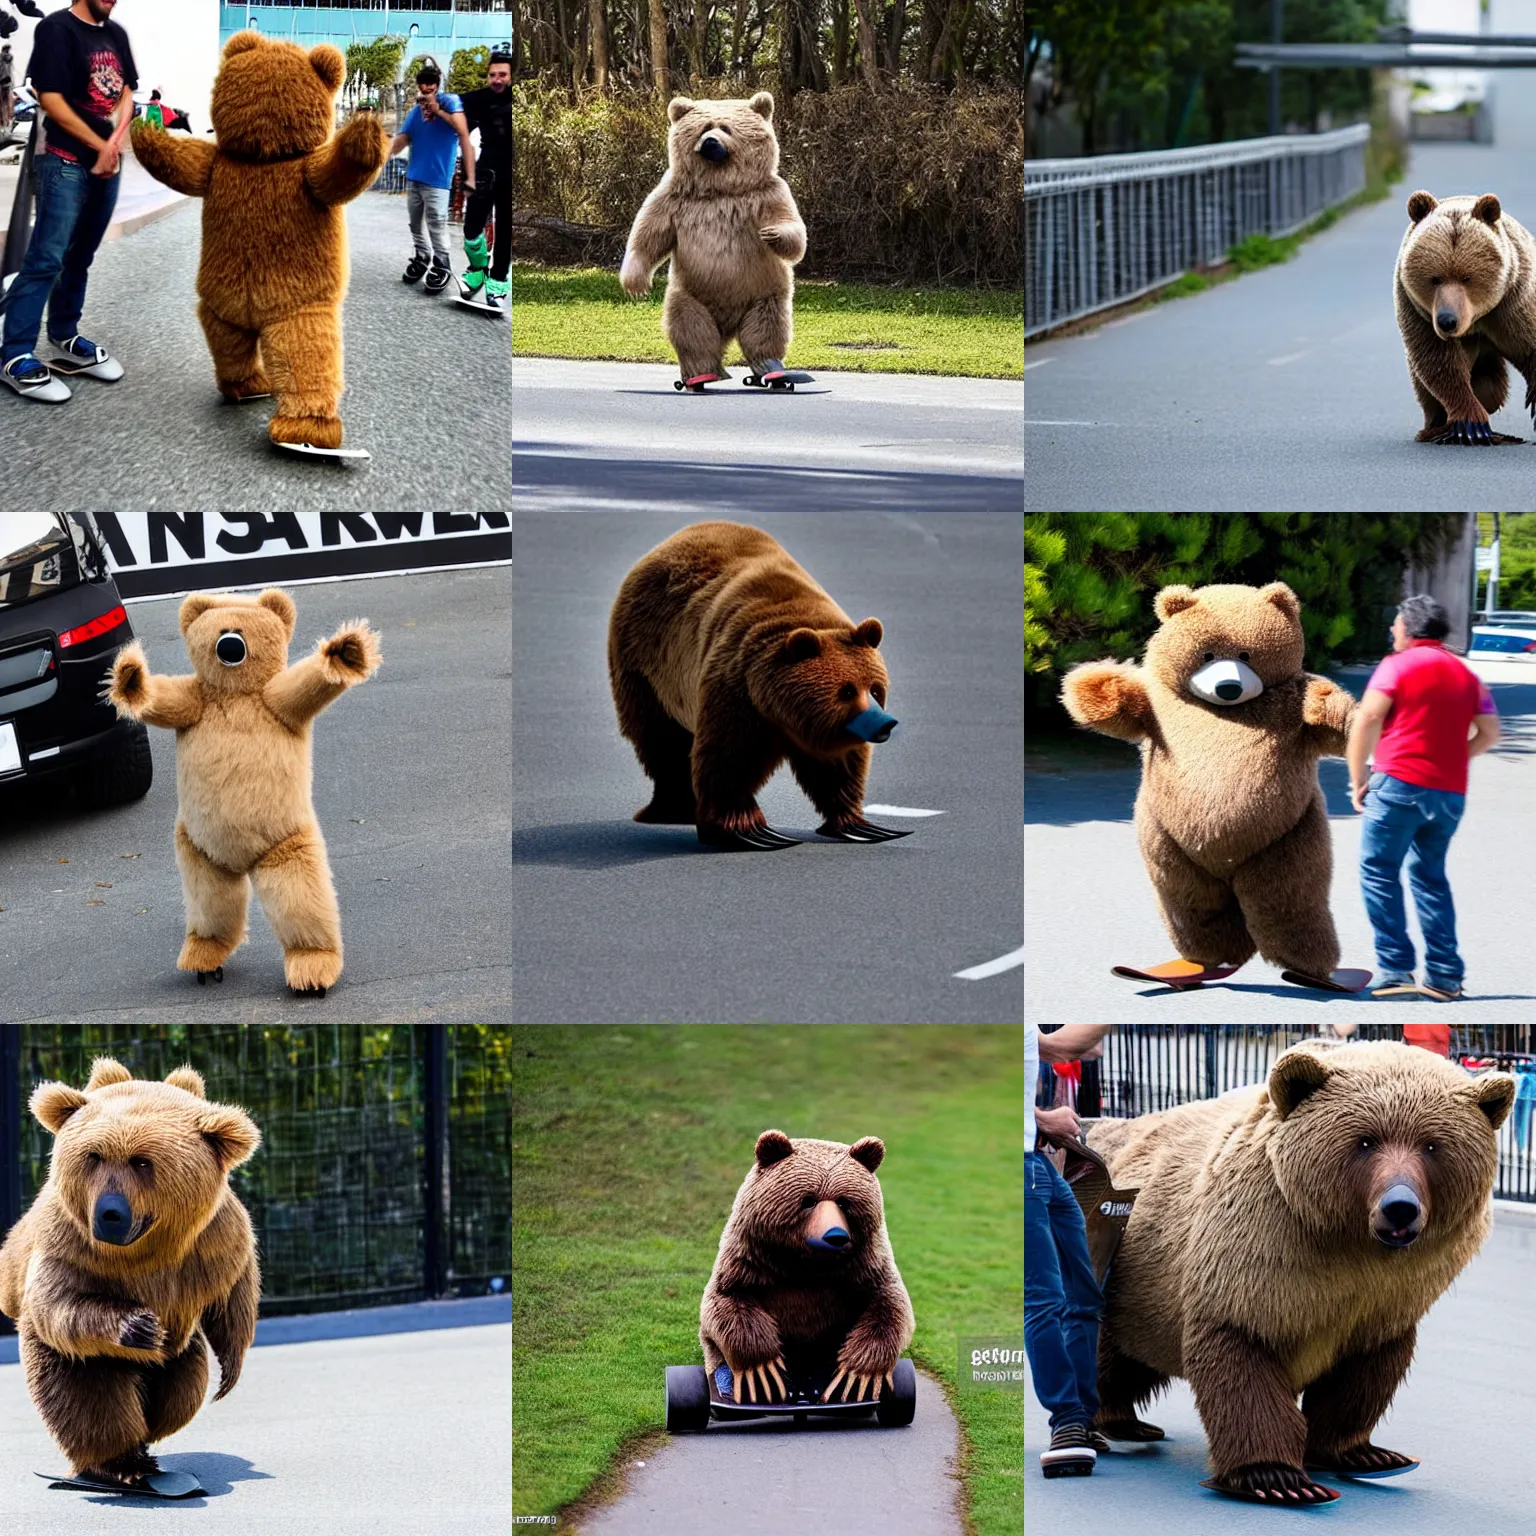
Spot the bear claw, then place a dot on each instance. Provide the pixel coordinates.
(762, 839)
(860, 831)
(1272, 1484)
(1475, 434)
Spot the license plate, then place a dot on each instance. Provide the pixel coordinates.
(10, 753)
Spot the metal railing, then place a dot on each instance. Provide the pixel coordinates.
(1101, 230)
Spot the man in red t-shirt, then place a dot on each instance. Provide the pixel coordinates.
(1426, 714)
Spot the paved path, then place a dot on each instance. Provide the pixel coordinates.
(766, 1478)
(1089, 904)
(617, 922)
(1465, 1409)
(618, 435)
(411, 789)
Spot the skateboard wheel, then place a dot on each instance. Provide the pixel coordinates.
(687, 1398)
(898, 1402)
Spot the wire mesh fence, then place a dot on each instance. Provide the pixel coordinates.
(1101, 230)
(384, 1173)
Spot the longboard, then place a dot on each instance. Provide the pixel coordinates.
(1343, 980)
(1179, 974)
(159, 1485)
(498, 313)
(308, 450)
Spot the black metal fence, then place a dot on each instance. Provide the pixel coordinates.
(384, 1173)
(1155, 1066)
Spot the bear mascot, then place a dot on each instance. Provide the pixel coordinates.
(243, 775)
(1230, 816)
(726, 658)
(1284, 1243)
(274, 262)
(135, 1257)
(729, 222)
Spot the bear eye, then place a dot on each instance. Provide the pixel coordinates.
(141, 1164)
(809, 1203)
(1242, 655)
(847, 691)
(1367, 1143)
(1435, 282)
(879, 694)
(1429, 1146)
(93, 1157)
(1209, 656)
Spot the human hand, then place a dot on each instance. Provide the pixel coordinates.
(1059, 1124)
(1357, 793)
(107, 159)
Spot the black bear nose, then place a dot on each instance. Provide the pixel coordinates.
(1446, 319)
(111, 1219)
(713, 150)
(230, 649)
(1400, 1206)
(1229, 690)
(835, 1237)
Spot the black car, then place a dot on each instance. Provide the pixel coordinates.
(61, 623)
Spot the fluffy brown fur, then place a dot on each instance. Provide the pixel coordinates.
(733, 233)
(1465, 289)
(1230, 816)
(772, 1300)
(113, 1336)
(243, 775)
(726, 659)
(274, 262)
(1252, 1264)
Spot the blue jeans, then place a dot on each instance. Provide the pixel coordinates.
(74, 209)
(1407, 820)
(1062, 1300)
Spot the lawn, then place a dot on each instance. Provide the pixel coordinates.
(978, 333)
(628, 1145)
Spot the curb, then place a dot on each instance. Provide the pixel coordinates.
(1515, 1213)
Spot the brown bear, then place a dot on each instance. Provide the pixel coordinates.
(245, 810)
(134, 1257)
(1285, 1242)
(1231, 819)
(274, 262)
(725, 659)
(729, 222)
(1465, 289)
(805, 1277)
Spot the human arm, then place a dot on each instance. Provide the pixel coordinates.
(782, 229)
(397, 145)
(55, 106)
(1072, 1041)
(298, 693)
(347, 165)
(183, 164)
(1485, 734)
(651, 239)
(1364, 733)
(136, 693)
(466, 146)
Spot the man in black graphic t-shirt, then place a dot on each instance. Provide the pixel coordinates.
(83, 74)
(490, 110)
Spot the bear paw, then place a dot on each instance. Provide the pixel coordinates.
(1272, 1483)
(141, 1330)
(1470, 434)
(128, 1468)
(633, 277)
(312, 970)
(201, 954)
(760, 1383)
(128, 690)
(860, 1371)
(1362, 1461)
(363, 141)
(317, 431)
(352, 654)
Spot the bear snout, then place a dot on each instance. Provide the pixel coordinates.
(230, 648)
(112, 1219)
(1399, 1217)
(828, 1229)
(1226, 682)
(1445, 321)
(713, 148)
(873, 724)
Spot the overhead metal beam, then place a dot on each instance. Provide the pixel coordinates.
(1379, 56)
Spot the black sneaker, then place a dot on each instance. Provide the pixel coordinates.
(414, 269)
(438, 278)
(1071, 1453)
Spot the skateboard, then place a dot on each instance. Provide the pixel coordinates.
(1106, 1209)
(1343, 980)
(158, 1485)
(308, 450)
(261, 394)
(1181, 975)
(779, 378)
(694, 1398)
(495, 311)
(78, 368)
(696, 384)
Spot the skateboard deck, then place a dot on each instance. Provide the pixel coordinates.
(1177, 973)
(159, 1485)
(1342, 980)
(308, 450)
(481, 309)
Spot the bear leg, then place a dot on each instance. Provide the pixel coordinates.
(664, 748)
(1435, 418)
(1490, 380)
(216, 903)
(692, 332)
(1200, 911)
(91, 1406)
(1124, 1386)
(172, 1393)
(733, 754)
(767, 329)
(1283, 890)
(236, 356)
(835, 788)
(1342, 1407)
(303, 354)
(294, 883)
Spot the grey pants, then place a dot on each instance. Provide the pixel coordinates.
(432, 202)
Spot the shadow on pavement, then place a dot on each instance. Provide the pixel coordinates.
(617, 844)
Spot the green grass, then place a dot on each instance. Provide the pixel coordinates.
(977, 333)
(628, 1145)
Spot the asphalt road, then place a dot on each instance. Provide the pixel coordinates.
(411, 791)
(615, 922)
(428, 393)
(1287, 388)
(398, 1434)
(1089, 904)
(1465, 1409)
(617, 435)
(825, 1478)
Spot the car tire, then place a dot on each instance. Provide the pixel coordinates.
(119, 773)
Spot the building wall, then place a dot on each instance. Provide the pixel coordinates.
(439, 32)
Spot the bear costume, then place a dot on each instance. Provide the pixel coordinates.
(1285, 1242)
(1230, 816)
(1465, 289)
(729, 222)
(274, 262)
(805, 1276)
(243, 775)
(726, 659)
(135, 1256)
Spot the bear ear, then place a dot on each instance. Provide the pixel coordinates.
(1297, 1075)
(1283, 598)
(105, 1072)
(772, 1147)
(54, 1103)
(762, 104)
(871, 632)
(1172, 600)
(1421, 205)
(190, 1079)
(801, 645)
(282, 605)
(242, 42)
(679, 106)
(194, 607)
(868, 1150)
(230, 1132)
(1494, 1094)
(1487, 208)
(328, 63)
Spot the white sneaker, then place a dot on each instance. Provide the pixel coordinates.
(33, 380)
(79, 356)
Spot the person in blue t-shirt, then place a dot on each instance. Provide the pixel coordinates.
(435, 132)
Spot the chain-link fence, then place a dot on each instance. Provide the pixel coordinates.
(384, 1173)
(1104, 229)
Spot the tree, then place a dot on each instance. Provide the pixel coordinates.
(468, 69)
(597, 25)
(659, 72)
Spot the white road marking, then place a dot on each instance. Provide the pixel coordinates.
(1290, 357)
(1039, 362)
(992, 967)
(899, 810)
(1131, 319)
(1069, 423)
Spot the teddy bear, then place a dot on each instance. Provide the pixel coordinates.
(1230, 816)
(274, 261)
(726, 658)
(729, 222)
(134, 1259)
(243, 775)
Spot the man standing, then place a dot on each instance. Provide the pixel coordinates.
(82, 71)
(490, 110)
(1425, 715)
(1062, 1300)
(435, 131)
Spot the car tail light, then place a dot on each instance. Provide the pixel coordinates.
(1530, 645)
(101, 626)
